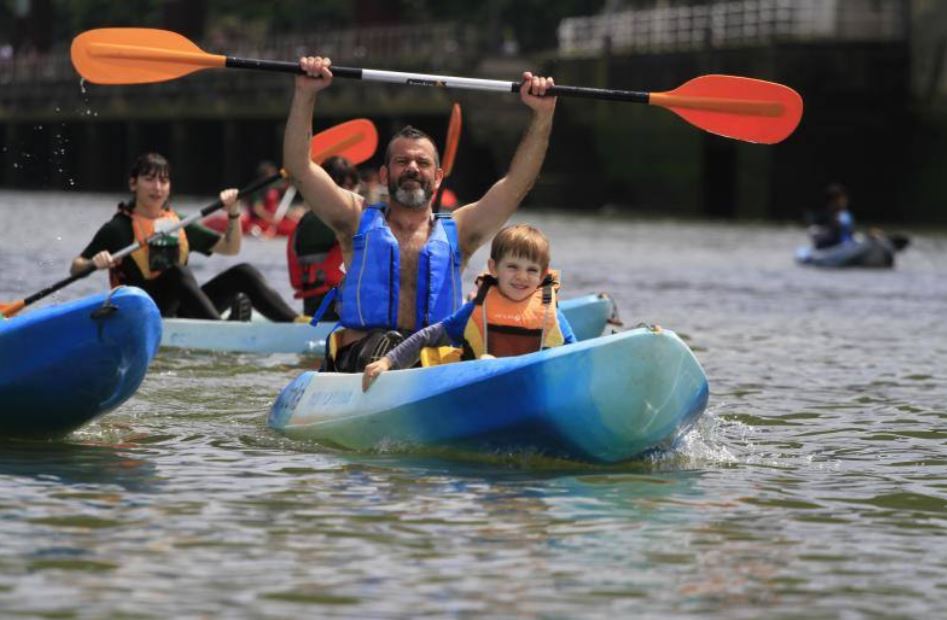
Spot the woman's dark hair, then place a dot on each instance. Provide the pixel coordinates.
(150, 163)
(342, 171)
(145, 164)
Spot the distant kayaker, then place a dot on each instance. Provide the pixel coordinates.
(514, 311)
(403, 263)
(160, 268)
(833, 224)
(313, 254)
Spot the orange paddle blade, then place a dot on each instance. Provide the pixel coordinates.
(355, 140)
(735, 107)
(137, 56)
(453, 139)
(8, 310)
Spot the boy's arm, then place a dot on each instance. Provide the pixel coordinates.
(565, 327)
(406, 354)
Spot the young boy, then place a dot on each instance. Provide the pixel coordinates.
(514, 311)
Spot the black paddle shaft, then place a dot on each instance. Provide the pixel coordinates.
(439, 81)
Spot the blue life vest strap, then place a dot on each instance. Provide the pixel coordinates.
(324, 305)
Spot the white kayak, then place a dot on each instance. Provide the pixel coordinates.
(588, 316)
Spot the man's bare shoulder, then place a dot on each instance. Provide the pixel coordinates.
(346, 221)
(469, 233)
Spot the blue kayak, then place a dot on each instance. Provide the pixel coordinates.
(63, 365)
(602, 400)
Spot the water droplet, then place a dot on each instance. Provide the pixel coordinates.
(82, 85)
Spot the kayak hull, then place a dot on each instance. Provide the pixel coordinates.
(64, 365)
(587, 314)
(246, 337)
(603, 400)
(874, 252)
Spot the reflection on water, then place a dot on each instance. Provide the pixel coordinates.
(70, 463)
(812, 487)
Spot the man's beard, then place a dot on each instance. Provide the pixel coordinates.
(412, 198)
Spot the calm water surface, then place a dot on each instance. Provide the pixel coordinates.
(814, 487)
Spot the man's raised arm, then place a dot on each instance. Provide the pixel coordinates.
(337, 207)
(479, 221)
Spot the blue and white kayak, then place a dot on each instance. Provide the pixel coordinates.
(602, 400)
(587, 315)
(66, 364)
(256, 336)
(862, 251)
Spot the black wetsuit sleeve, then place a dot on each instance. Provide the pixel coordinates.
(109, 237)
(201, 239)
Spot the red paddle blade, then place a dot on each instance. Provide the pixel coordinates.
(355, 140)
(137, 56)
(453, 139)
(736, 107)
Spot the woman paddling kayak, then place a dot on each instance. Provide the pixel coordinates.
(160, 267)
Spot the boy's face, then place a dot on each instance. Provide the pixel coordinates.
(517, 277)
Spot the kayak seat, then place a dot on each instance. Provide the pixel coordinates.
(437, 356)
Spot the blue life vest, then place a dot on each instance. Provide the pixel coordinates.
(846, 226)
(369, 297)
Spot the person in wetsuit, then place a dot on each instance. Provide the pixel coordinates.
(161, 267)
(833, 224)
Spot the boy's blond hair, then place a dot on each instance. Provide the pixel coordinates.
(521, 240)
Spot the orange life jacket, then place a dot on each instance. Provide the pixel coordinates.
(173, 247)
(503, 328)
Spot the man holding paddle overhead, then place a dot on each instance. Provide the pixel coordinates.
(403, 264)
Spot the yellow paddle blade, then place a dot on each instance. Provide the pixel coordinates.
(137, 56)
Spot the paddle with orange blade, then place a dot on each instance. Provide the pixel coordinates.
(735, 107)
(450, 150)
(355, 140)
